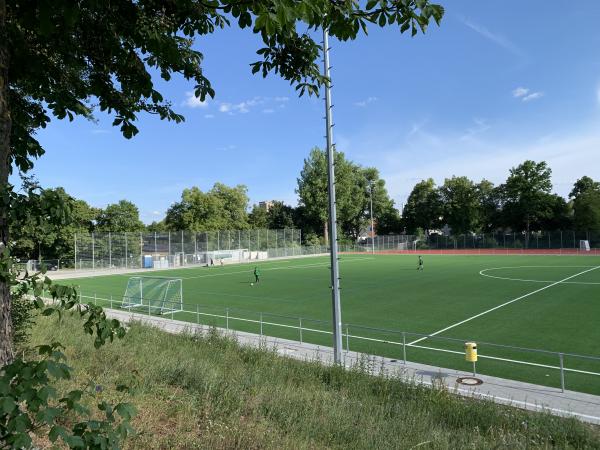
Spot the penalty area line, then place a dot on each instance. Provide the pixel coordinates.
(501, 306)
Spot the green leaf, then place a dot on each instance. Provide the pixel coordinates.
(74, 441)
(371, 4)
(126, 411)
(7, 405)
(48, 415)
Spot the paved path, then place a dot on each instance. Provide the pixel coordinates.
(585, 407)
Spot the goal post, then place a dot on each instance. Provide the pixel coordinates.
(157, 295)
(584, 245)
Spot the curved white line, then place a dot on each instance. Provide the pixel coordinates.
(482, 273)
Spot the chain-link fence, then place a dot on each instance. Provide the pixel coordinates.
(531, 241)
(174, 248)
(184, 248)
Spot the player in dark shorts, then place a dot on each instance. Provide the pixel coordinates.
(256, 275)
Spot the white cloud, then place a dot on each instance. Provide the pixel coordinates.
(268, 105)
(209, 116)
(520, 92)
(480, 126)
(363, 103)
(497, 39)
(533, 96)
(524, 94)
(491, 158)
(192, 101)
(156, 213)
(100, 131)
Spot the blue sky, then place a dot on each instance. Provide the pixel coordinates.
(499, 82)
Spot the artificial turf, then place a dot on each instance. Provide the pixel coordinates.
(388, 293)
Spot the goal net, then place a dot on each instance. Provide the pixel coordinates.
(153, 294)
(584, 246)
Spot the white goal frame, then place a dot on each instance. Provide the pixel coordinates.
(584, 245)
(134, 297)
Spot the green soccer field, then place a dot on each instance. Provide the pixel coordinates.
(550, 303)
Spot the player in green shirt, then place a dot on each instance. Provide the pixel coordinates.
(420, 263)
(256, 274)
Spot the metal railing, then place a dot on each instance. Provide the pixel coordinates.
(506, 361)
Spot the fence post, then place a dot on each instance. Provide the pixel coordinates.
(404, 346)
(261, 324)
(561, 240)
(227, 318)
(300, 319)
(562, 372)
(347, 340)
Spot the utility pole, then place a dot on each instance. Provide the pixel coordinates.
(335, 270)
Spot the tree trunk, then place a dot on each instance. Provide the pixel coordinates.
(326, 233)
(6, 348)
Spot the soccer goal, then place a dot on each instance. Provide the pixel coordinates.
(157, 295)
(584, 246)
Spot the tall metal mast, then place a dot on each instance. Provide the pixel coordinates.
(335, 270)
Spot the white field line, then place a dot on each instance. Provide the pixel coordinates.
(262, 263)
(364, 338)
(304, 266)
(263, 269)
(484, 274)
(501, 306)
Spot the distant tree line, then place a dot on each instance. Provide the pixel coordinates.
(524, 202)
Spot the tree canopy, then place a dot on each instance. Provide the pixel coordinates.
(423, 207)
(462, 204)
(525, 194)
(220, 208)
(354, 186)
(121, 216)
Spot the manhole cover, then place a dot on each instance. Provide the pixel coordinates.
(469, 381)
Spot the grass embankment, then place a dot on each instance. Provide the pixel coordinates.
(208, 392)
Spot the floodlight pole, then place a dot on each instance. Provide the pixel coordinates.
(335, 270)
(372, 226)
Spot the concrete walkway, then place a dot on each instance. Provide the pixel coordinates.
(585, 407)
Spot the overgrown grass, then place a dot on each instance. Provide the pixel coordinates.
(208, 392)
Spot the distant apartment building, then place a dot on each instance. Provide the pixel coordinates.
(266, 205)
